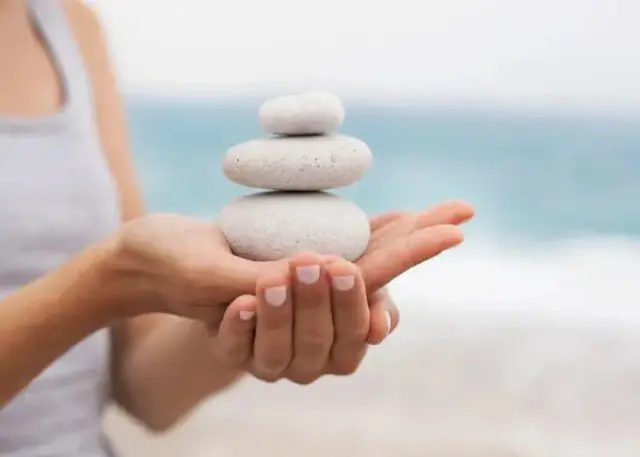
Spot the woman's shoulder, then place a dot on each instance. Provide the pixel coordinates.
(83, 17)
(86, 26)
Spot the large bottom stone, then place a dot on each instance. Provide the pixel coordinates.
(275, 225)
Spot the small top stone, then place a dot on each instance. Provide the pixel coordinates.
(312, 113)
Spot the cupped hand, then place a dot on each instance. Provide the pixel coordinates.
(304, 322)
(184, 266)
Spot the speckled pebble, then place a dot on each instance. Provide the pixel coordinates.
(298, 163)
(275, 225)
(314, 113)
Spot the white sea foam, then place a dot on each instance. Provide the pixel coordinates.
(588, 280)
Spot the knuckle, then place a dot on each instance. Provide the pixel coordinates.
(347, 367)
(313, 348)
(359, 333)
(267, 377)
(273, 363)
(277, 320)
(237, 354)
(354, 335)
(317, 336)
(313, 297)
(346, 360)
(304, 379)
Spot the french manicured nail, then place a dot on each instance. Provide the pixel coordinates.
(247, 315)
(343, 283)
(387, 317)
(276, 296)
(308, 274)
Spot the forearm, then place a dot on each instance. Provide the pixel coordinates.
(41, 321)
(167, 370)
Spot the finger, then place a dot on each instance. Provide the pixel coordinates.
(234, 344)
(448, 213)
(350, 317)
(394, 313)
(384, 317)
(272, 348)
(400, 226)
(313, 323)
(391, 260)
(383, 219)
(237, 276)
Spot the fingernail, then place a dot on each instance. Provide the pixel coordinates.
(247, 315)
(387, 316)
(276, 296)
(308, 274)
(343, 283)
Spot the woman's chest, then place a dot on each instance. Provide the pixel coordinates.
(56, 198)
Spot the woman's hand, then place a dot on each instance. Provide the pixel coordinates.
(401, 240)
(169, 263)
(309, 320)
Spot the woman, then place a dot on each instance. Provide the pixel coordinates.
(99, 302)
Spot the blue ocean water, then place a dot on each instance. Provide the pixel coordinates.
(557, 230)
(529, 176)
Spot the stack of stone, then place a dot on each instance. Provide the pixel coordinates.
(301, 159)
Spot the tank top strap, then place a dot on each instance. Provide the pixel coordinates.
(50, 19)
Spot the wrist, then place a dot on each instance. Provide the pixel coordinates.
(100, 288)
(126, 289)
(80, 297)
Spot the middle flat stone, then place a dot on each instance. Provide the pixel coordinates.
(298, 163)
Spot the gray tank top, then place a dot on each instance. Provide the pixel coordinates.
(56, 198)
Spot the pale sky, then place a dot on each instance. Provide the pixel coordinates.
(495, 51)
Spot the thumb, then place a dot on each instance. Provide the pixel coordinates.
(238, 276)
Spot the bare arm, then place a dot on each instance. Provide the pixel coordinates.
(163, 365)
(41, 321)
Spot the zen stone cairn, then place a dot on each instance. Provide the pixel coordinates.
(297, 164)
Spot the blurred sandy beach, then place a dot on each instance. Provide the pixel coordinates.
(463, 388)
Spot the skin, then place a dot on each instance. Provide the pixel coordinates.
(178, 298)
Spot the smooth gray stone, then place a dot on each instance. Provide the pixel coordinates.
(298, 163)
(313, 113)
(275, 225)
